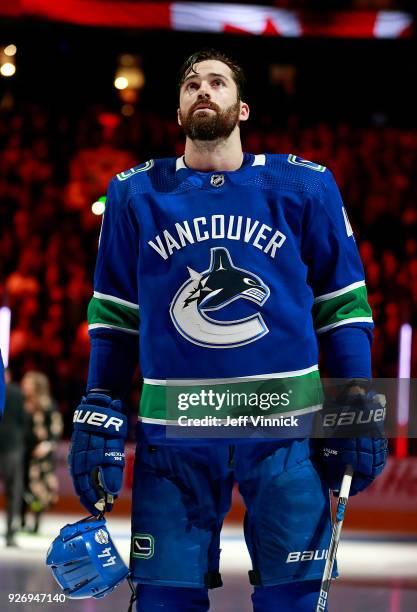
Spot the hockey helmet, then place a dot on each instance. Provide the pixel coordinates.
(84, 560)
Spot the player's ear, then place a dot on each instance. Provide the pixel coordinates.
(179, 116)
(244, 111)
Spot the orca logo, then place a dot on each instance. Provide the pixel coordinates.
(213, 289)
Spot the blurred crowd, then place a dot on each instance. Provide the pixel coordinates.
(29, 435)
(54, 166)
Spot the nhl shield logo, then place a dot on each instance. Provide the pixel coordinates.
(212, 290)
(217, 180)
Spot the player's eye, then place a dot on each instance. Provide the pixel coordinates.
(192, 86)
(218, 82)
(249, 281)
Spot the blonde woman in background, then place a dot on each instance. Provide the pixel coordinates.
(43, 434)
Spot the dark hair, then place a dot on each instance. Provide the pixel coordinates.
(214, 54)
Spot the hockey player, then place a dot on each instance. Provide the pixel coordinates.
(222, 267)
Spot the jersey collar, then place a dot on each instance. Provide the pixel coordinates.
(248, 160)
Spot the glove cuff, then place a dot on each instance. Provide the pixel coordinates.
(98, 398)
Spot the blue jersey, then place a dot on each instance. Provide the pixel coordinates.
(226, 276)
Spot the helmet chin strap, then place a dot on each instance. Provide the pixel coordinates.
(133, 597)
(101, 505)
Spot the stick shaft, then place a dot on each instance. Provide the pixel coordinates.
(334, 542)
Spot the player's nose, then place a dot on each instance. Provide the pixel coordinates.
(204, 91)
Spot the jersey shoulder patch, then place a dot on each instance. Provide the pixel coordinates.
(126, 174)
(300, 161)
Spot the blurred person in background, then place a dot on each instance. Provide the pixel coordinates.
(12, 434)
(43, 433)
(2, 386)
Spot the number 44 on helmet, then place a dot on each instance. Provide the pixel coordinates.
(84, 560)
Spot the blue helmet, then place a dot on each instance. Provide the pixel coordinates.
(84, 560)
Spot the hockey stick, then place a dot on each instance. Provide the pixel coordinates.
(334, 542)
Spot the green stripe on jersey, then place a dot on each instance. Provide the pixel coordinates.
(349, 306)
(106, 312)
(165, 403)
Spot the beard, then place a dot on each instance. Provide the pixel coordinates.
(210, 126)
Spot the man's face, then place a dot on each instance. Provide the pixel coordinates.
(209, 105)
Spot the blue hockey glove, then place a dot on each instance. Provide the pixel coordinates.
(97, 457)
(362, 417)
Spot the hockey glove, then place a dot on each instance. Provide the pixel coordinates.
(362, 417)
(97, 457)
